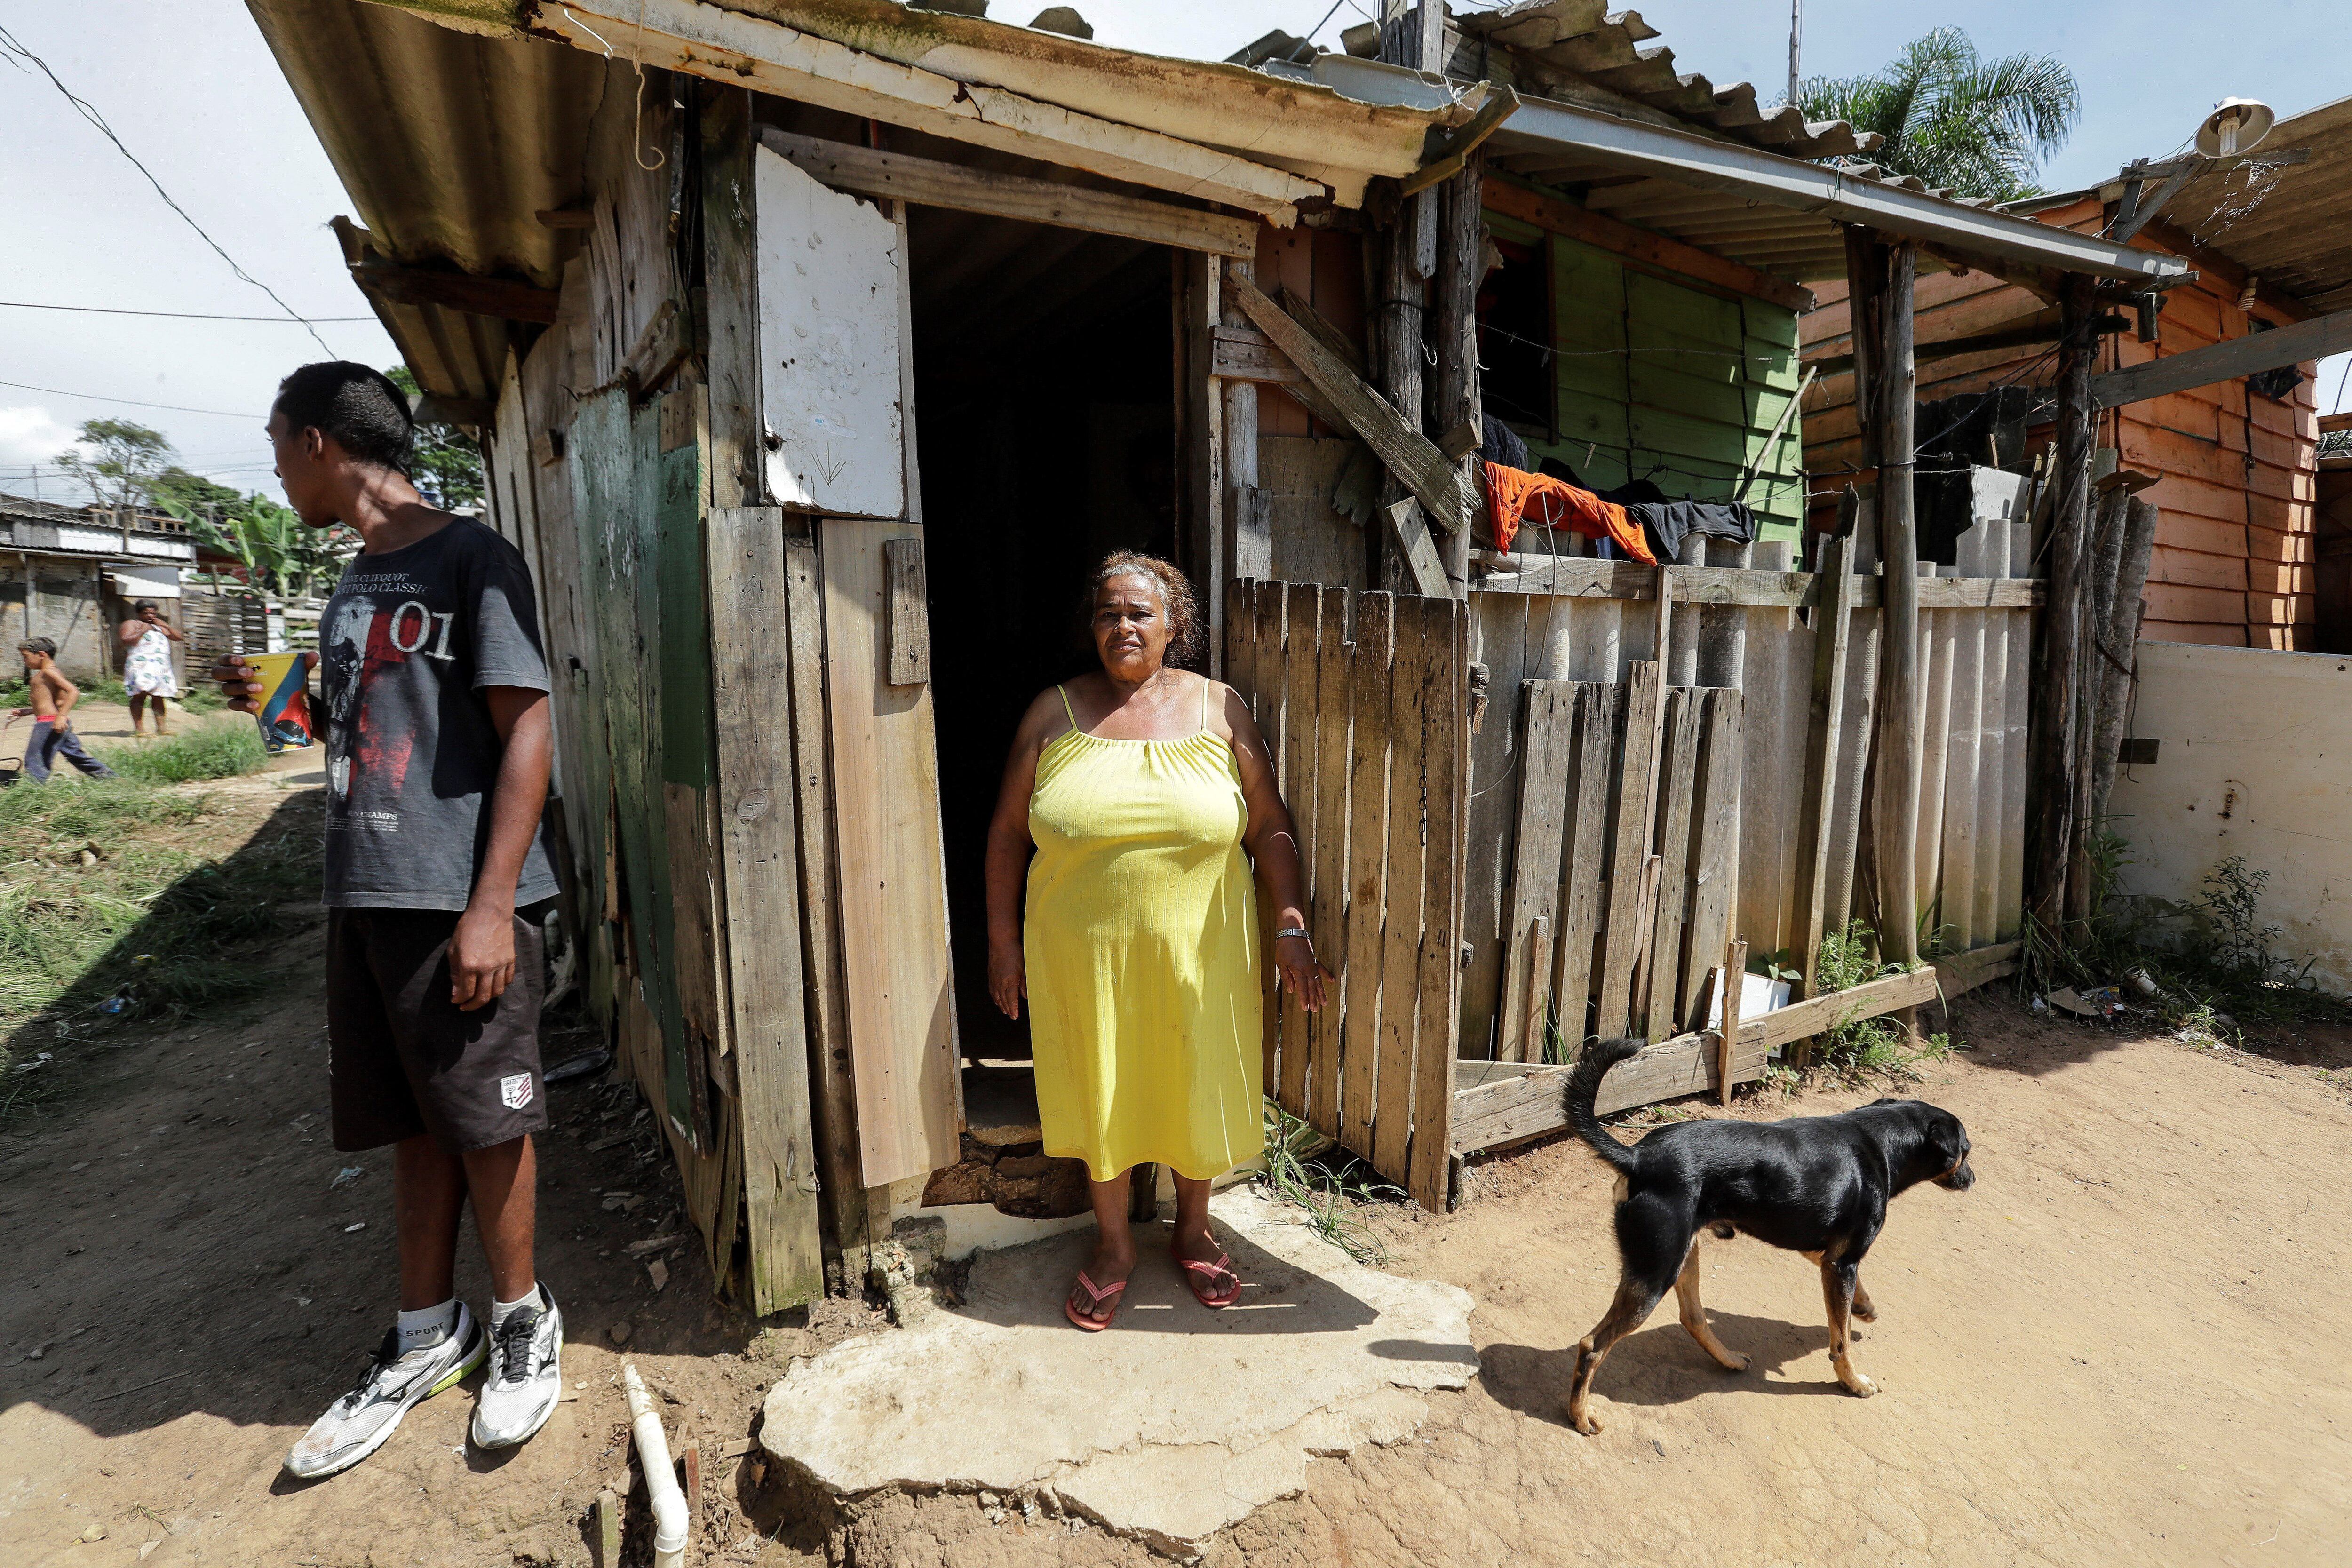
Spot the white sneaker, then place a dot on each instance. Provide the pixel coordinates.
(357, 1424)
(526, 1375)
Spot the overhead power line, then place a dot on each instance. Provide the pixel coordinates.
(8, 42)
(178, 315)
(94, 397)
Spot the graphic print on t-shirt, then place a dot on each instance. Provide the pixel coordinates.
(408, 643)
(365, 640)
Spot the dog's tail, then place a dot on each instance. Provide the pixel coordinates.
(1584, 1088)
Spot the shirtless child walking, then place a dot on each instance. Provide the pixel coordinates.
(54, 695)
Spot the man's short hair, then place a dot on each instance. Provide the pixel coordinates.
(142, 607)
(367, 415)
(40, 645)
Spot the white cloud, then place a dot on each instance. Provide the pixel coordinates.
(29, 435)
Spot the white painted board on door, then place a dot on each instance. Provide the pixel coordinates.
(831, 272)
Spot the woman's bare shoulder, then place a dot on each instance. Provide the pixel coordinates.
(1044, 718)
(1229, 713)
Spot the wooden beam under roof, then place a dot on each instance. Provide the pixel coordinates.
(927, 182)
(1620, 238)
(745, 50)
(497, 297)
(2227, 360)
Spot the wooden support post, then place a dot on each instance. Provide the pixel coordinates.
(761, 898)
(1460, 268)
(1887, 383)
(1729, 980)
(1399, 311)
(2117, 655)
(1406, 264)
(1200, 432)
(1249, 541)
(2051, 815)
(1831, 637)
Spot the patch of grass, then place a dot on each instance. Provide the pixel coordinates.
(106, 914)
(2209, 958)
(1307, 1170)
(199, 698)
(212, 751)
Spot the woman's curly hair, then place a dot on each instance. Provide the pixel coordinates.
(1187, 637)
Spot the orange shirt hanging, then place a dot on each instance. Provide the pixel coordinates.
(1517, 498)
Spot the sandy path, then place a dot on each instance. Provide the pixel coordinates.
(2123, 1344)
(2120, 1346)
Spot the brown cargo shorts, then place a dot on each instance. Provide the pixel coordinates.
(402, 1059)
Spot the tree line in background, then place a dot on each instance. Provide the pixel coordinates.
(128, 464)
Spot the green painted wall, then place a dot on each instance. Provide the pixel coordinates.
(1694, 401)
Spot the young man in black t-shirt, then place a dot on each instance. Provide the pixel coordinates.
(433, 694)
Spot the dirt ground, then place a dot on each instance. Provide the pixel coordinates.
(2122, 1345)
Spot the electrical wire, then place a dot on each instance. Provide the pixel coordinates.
(173, 315)
(8, 43)
(132, 401)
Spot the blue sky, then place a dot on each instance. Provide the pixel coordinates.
(191, 90)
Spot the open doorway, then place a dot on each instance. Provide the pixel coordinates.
(1045, 415)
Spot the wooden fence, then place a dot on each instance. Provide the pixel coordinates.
(1362, 698)
(1620, 901)
(1801, 651)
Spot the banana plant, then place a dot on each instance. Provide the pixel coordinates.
(281, 555)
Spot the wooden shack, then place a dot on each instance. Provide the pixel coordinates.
(2231, 457)
(818, 345)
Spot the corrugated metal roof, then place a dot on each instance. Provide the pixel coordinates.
(1556, 43)
(2285, 221)
(449, 144)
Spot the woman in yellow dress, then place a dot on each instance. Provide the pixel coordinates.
(1140, 788)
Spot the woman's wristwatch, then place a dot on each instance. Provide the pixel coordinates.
(1293, 931)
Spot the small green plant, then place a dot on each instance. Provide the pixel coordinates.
(214, 751)
(1778, 964)
(1299, 1170)
(1859, 1048)
(2236, 941)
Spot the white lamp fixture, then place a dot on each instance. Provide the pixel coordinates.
(2237, 125)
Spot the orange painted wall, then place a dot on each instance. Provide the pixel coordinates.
(2234, 560)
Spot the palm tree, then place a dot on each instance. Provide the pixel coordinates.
(1977, 127)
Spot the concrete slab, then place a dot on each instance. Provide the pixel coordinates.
(1168, 1428)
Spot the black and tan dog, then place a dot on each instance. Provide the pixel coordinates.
(1814, 1185)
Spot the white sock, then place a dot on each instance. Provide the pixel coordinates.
(501, 1310)
(428, 1326)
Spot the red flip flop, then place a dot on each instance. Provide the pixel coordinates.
(1196, 1273)
(1094, 1298)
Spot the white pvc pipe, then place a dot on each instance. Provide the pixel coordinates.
(661, 1476)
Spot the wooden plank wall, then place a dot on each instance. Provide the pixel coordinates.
(1677, 384)
(1360, 696)
(1973, 803)
(606, 487)
(2235, 558)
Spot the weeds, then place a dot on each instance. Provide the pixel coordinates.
(1299, 1170)
(209, 751)
(106, 915)
(2208, 958)
(1866, 1047)
(198, 699)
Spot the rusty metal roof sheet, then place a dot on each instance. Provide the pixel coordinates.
(1558, 43)
(449, 144)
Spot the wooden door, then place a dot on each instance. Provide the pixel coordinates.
(838, 416)
(1360, 698)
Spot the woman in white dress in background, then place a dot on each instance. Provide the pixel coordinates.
(147, 673)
